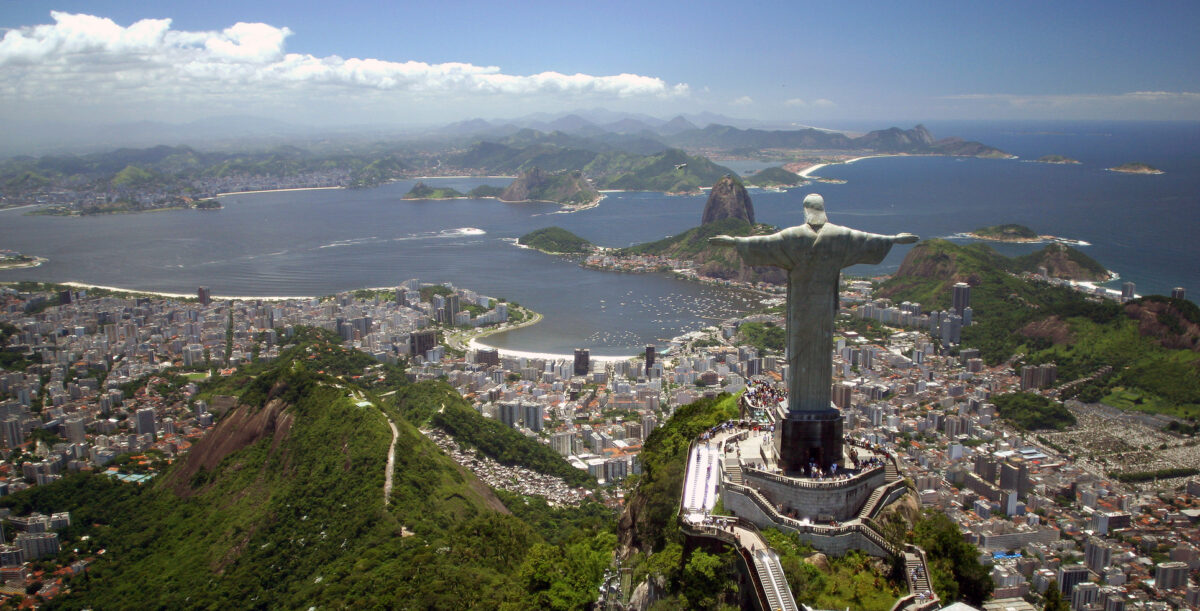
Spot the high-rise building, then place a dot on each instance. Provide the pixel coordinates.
(582, 361)
(14, 433)
(420, 342)
(204, 295)
(1170, 575)
(1178, 293)
(1084, 595)
(508, 412)
(1069, 576)
(534, 416)
(1097, 555)
(487, 356)
(1127, 291)
(450, 307)
(75, 430)
(649, 358)
(961, 297)
(145, 421)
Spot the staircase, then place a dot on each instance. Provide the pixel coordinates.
(920, 581)
(891, 474)
(733, 470)
(868, 508)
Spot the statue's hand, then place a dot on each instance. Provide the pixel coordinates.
(722, 240)
(906, 238)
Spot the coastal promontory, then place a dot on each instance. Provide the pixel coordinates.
(775, 177)
(1136, 167)
(568, 188)
(555, 241)
(1062, 261)
(424, 191)
(728, 199)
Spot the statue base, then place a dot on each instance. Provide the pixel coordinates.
(809, 438)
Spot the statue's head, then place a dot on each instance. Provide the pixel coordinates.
(814, 210)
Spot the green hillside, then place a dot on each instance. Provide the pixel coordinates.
(485, 191)
(282, 506)
(424, 191)
(567, 187)
(774, 177)
(1062, 261)
(712, 260)
(1152, 344)
(555, 240)
(671, 171)
(1007, 232)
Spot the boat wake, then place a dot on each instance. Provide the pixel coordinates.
(458, 232)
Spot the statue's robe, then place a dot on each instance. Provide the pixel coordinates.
(814, 260)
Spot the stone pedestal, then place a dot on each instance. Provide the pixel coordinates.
(805, 437)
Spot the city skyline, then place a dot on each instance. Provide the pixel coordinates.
(370, 63)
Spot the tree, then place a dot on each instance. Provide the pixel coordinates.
(1054, 599)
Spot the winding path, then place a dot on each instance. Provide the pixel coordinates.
(391, 461)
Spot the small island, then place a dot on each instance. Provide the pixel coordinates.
(1059, 159)
(1136, 167)
(556, 241)
(15, 260)
(1007, 233)
(774, 178)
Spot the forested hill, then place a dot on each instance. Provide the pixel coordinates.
(1151, 344)
(282, 506)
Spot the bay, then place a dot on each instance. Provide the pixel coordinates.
(321, 242)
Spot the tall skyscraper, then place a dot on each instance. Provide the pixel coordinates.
(582, 361)
(145, 421)
(649, 358)
(1178, 293)
(1127, 291)
(204, 295)
(961, 297)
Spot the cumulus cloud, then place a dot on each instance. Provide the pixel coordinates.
(89, 55)
(743, 101)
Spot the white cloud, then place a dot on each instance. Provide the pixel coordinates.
(743, 101)
(85, 55)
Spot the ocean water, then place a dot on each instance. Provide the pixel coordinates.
(321, 242)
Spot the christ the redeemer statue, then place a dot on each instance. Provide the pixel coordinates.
(813, 255)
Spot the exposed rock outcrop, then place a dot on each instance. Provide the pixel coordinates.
(537, 185)
(728, 199)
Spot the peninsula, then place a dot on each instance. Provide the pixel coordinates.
(566, 188)
(555, 241)
(1136, 167)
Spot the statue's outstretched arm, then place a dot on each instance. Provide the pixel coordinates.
(905, 238)
(723, 240)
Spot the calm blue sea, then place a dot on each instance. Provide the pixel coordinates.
(321, 242)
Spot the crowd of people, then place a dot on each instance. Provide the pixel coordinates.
(764, 394)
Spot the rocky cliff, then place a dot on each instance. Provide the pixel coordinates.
(562, 188)
(728, 200)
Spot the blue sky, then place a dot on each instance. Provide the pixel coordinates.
(424, 62)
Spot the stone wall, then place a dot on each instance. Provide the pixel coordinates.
(830, 500)
(838, 545)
